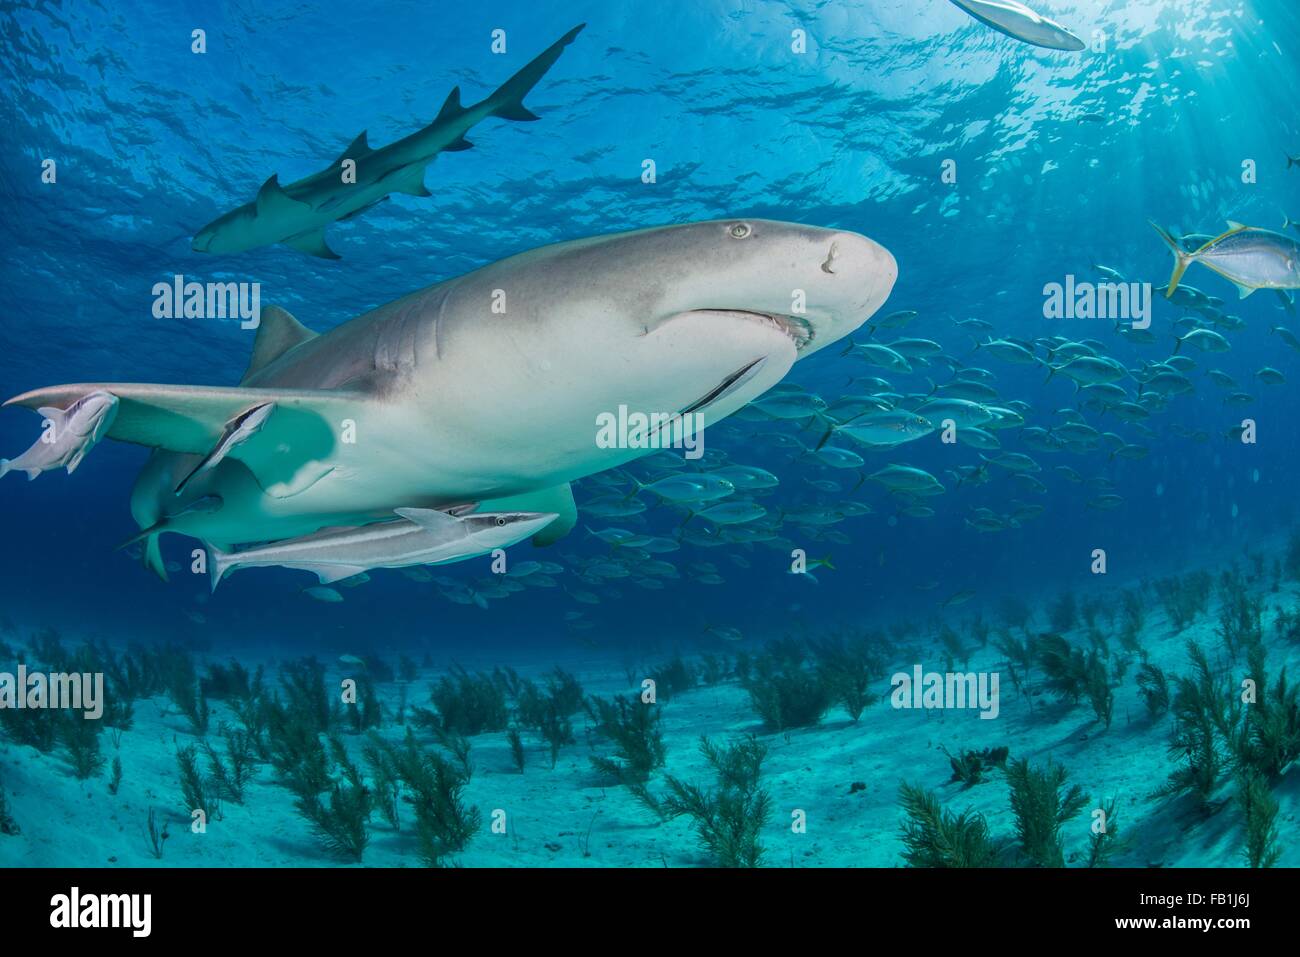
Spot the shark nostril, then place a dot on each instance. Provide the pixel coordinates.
(829, 264)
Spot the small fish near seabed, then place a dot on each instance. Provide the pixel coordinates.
(1021, 23)
(421, 536)
(297, 214)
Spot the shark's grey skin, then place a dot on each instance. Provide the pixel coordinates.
(420, 536)
(238, 431)
(489, 388)
(297, 214)
(72, 432)
(1021, 23)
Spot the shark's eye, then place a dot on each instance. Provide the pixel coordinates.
(740, 230)
(500, 520)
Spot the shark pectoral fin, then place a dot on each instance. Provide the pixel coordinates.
(272, 200)
(558, 499)
(181, 418)
(409, 180)
(312, 243)
(458, 146)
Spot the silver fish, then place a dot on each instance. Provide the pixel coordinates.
(420, 536)
(68, 435)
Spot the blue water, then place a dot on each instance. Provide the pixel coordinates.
(152, 141)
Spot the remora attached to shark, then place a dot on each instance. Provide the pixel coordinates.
(440, 400)
(419, 536)
(297, 214)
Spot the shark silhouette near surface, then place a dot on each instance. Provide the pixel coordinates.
(296, 215)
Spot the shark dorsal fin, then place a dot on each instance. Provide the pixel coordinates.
(272, 198)
(451, 106)
(357, 149)
(277, 333)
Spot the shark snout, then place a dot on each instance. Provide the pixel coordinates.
(861, 262)
(854, 275)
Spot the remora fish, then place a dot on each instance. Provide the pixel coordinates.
(1020, 23)
(69, 434)
(297, 214)
(453, 404)
(1248, 257)
(238, 431)
(422, 536)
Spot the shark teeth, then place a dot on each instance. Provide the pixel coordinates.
(796, 327)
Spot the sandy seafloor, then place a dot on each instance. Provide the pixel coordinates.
(568, 817)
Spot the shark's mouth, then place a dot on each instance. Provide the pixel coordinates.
(798, 329)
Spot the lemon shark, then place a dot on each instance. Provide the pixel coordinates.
(297, 214)
(485, 391)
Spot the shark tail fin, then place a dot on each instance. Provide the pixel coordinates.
(1182, 259)
(153, 559)
(508, 100)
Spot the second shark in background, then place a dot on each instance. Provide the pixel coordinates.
(297, 214)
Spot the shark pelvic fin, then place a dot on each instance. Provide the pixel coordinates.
(272, 200)
(410, 179)
(277, 332)
(458, 146)
(153, 559)
(312, 243)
